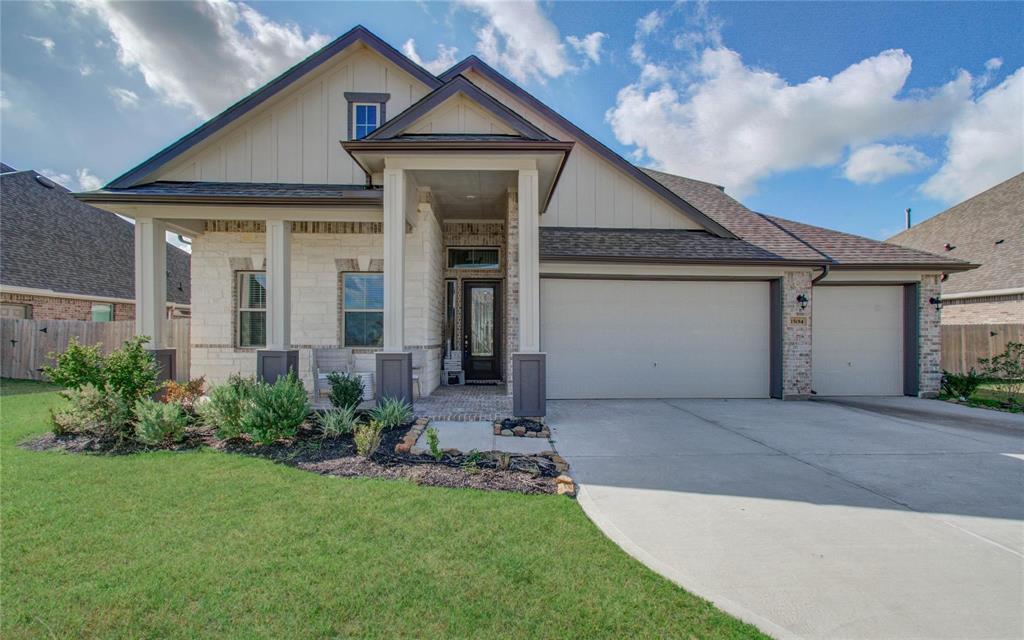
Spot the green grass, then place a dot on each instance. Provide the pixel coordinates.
(202, 543)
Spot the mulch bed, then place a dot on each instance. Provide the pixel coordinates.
(310, 451)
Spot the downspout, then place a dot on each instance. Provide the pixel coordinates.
(824, 272)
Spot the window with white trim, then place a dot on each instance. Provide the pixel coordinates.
(252, 309)
(366, 119)
(363, 309)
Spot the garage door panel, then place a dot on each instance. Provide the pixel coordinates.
(655, 339)
(857, 340)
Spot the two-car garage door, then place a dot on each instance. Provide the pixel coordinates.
(656, 338)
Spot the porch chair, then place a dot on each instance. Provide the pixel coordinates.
(326, 362)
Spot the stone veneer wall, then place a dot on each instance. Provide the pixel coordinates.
(796, 338)
(57, 308)
(929, 337)
(320, 252)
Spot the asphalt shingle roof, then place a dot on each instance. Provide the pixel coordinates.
(268, 190)
(664, 245)
(50, 240)
(987, 229)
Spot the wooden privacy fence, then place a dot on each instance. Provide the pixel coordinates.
(27, 343)
(963, 344)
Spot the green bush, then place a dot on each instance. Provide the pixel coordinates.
(159, 423)
(367, 437)
(225, 405)
(131, 371)
(276, 410)
(1007, 370)
(78, 366)
(93, 411)
(346, 390)
(961, 386)
(391, 413)
(338, 422)
(434, 443)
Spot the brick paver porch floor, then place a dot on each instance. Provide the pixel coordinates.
(466, 402)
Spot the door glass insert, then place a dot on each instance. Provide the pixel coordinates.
(482, 336)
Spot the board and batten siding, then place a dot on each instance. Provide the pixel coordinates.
(295, 136)
(459, 114)
(591, 192)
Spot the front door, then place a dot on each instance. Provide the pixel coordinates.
(481, 330)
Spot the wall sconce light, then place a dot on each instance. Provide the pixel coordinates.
(802, 299)
(937, 302)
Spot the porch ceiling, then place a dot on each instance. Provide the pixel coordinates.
(468, 194)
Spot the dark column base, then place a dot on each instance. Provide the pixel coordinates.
(394, 375)
(529, 385)
(796, 396)
(271, 364)
(165, 361)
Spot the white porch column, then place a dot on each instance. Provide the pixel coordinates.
(150, 279)
(529, 261)
(394, 260)
(279, 285)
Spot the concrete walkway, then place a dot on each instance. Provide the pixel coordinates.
(815, 519)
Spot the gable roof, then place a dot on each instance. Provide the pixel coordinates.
(52, 241)
(254, 99)
(459, 84)
(986, 229)
(476, 64)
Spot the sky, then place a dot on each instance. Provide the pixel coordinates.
(835, 114)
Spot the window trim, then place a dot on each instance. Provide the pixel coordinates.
(341, 303)
(239, 308)
(448, 253)
(380, 100)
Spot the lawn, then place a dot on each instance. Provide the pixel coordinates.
(202, 543)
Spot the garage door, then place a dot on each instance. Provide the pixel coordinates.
(655, 339)
(857, 341)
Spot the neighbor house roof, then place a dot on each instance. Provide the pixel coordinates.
(52, 241)
(987, 229)
(647, 245)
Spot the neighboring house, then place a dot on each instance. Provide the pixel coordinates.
(360, 203)
(987, 230)
(61, 259)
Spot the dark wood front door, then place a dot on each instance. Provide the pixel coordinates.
(481, 330)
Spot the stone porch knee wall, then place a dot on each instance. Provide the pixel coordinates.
(796, 335)
(929, 337)
(57, 308)
(984, 311)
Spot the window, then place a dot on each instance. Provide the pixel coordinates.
(102, 312)
(363, 309)
(367, 118)
(473, 258)
(252, 309)
(16, 311)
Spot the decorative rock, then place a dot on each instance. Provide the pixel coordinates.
(520, 430)
(497, 430)
(563, 479)
(530, 434)
(565, 489)
(548, 453)
(402, 447)
(507, 432)
(561, 466)
(545, 434)
(557, 459)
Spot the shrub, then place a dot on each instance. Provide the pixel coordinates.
(338, 422)
(78, 366)
(131, 371)
(961, 386)
(185, 395)
(276, 410)
(367, 437)
(346, 390)
(1007, 369)
(159, 423)
(434, 443)
(225, 404)
(94, 411)
(391, 413)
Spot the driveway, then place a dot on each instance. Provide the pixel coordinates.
(852, 518)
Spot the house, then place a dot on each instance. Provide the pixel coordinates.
(61, 259)
(359, 203)
(987, 230)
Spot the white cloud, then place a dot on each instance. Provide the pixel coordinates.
(86, 69)
(62, 179)
(203, 55)
(125, 98)
(5, 103)
(589, 45)
(993, 64)
(520, 40)
(444, 60)
(875, 163)
(985, 144)
(46, 43)
(87, 181)
(650, 22)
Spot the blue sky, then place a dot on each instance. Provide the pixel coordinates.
(837, 114)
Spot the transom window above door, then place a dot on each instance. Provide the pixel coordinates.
(474, 258)
(367, 118)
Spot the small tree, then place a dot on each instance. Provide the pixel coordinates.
(78, 366)
(132, 371)
(1007, 370)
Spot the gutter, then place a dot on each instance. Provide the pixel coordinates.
(278, 201)
(824, 272)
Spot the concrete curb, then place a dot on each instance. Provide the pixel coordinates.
(679, 577)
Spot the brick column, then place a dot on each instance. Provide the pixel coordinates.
(796, 335)
(929, 338)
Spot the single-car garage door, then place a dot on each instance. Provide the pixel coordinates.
(857, 341)
(655, 339)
